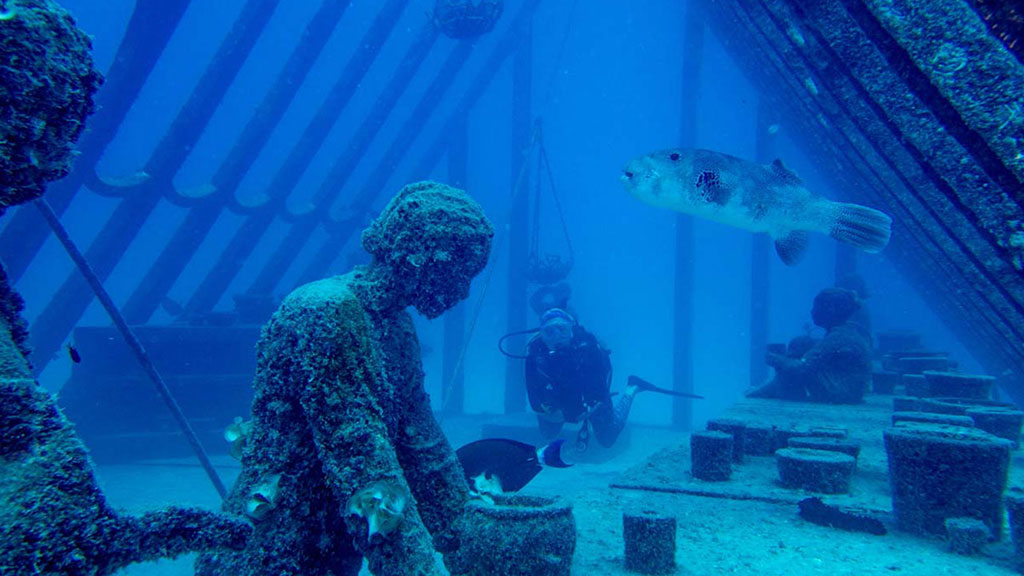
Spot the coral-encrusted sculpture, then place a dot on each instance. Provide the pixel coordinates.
(46, 91)
(340, 412)
(53, 517)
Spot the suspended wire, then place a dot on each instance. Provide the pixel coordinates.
(558, 202)
(446, 389)
(550, 85)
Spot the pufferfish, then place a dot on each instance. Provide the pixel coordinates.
(759, 198)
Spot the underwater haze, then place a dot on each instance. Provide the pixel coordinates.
(606, 84)
(241, 168)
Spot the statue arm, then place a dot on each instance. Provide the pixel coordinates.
(428, 460)
(353, 444)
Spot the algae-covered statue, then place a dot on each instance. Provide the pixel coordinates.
(835, 369)
(344, 458)
(46, 90)
(53, 517)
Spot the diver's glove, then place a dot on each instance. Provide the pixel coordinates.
(551, 414)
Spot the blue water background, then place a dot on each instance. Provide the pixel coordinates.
(614, 93)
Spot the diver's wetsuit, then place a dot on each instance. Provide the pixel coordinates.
(573, 380)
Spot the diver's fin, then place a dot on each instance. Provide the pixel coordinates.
(645, 386)
(551, 455)
(861, 227)
(792, 246)
(786, 174)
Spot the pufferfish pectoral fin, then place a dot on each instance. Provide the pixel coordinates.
(791, 247)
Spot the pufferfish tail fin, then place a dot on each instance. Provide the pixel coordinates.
(861, 227)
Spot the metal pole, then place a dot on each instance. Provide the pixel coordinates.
(766, 143)
(132, 341)
(682, 310)
(519, 222)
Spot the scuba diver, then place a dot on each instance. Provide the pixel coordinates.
(568, 380)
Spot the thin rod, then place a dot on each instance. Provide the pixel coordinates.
(132, 341)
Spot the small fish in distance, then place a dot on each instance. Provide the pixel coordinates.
(758, 198)
(73, 354)
(498, 466)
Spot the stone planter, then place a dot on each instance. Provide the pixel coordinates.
(915, 385)
(736, 428)
(938, 472)
(650, 540)
(967, 536)
(517, 536)
(973, 386)
(1014, 499)
(932, 418)
(821, 471)
(920, 364)
(758, 439)
(828, 444)
(1002, 422)
(711, 455)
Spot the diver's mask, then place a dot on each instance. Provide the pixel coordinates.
(556, 328)
(555, 331)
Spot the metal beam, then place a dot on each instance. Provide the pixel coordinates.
(519, 213)
(284, 256)
(853, 109)
(168, 266)
(361, 204)
(62, 312)
(149, 30)
(242, 244)
(766, 144)
(684, 260)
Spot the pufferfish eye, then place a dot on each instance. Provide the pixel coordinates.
(673, 156)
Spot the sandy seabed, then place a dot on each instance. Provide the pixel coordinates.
(715, 535)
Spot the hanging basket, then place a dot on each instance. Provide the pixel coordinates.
(461, 19)
(548, 269)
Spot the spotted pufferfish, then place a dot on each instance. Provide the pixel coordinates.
(760, 198)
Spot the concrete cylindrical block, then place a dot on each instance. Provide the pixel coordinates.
(757, 439)
(735, 427)
(915, 385)
(517, 536)
(650, 540)
(781, 436)
(975, 386)
(711, 455)
(932, 418)
(906, 404)
(829, 444)
(969, 482)
(1000, 422)
(966, 536)
(815, 470)
(947, 405)
(884, 381)
(1014, 499)
(919, 364)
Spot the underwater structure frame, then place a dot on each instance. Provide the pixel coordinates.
(914, 106)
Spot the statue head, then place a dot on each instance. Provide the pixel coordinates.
(833, 306)
(427, 245)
